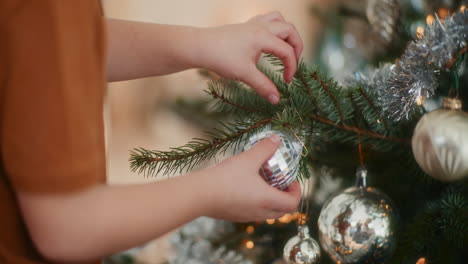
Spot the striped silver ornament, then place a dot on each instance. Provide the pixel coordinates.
(440, 142)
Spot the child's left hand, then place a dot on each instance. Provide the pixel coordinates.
(233, 51)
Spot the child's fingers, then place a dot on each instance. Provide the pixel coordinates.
(288, 33)
(272, 16)
(285, 201)
(268, 17)
(284, 51)
(261, 84)
(262, 151)
(294, 189)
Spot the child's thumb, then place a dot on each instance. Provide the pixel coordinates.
(263, 150)
(286, 201)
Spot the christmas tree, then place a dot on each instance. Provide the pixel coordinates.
(390, 111)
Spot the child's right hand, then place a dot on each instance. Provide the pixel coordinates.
(233, 51)
(236, 192)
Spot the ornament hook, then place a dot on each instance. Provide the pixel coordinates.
(361, 178)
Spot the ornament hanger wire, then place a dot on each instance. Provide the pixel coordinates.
(361, 156)
(306, 150)
(304, 205)
(361, 174)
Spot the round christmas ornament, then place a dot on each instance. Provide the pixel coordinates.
(440, 142)
(282, 168)
(358, 225)
(302, 249)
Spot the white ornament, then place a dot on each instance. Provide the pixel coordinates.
(440, 142)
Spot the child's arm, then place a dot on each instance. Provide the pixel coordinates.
(101, 220)
(143, 49)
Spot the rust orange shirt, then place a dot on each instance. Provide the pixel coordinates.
(52, 83)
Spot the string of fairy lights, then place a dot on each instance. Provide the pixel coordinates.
(285, 219)
(442, 13)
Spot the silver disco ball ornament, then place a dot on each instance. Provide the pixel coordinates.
(282, 168)
(302, 249)
(359, 225)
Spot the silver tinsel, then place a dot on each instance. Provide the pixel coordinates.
(415, 76)
(192, 244)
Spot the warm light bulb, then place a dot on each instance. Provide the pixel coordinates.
(249, 244)
(443, 12)
(302, 219)
(420, 100)
(297, 215)
(462, 8)
(429, 19)
(421, 261)
(270, 221)
(420, 32)
(250, 229)
(285, 218)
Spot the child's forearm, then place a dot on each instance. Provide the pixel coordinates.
(137, 50)
(232, 51)
(101, 220)
(105, 219)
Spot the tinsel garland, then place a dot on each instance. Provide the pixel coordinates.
(414, 77)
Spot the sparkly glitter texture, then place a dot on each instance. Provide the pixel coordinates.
(302, 249)
(358, 225)
(415, 75)
(281, 169)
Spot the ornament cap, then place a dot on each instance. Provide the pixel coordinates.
(361, 178)
(303, 231)
(452, 103)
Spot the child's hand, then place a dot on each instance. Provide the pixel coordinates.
(237, 192)
(233, 51)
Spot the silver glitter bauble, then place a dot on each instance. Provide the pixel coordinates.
(302, 249)
(440, 142)
(282, 168)
(358, 225)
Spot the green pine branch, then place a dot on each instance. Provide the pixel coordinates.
(442, 224)
(234, 98)
(313, 106)
(184, 158)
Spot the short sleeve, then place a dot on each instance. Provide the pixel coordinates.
(52, 134)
